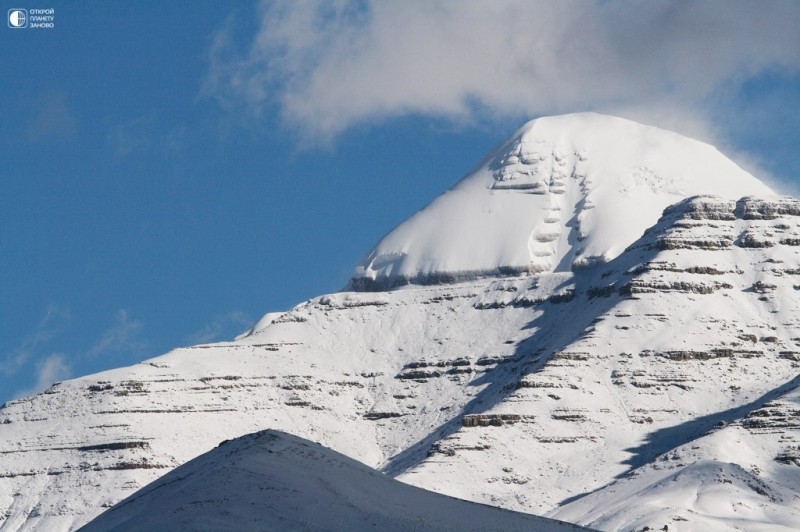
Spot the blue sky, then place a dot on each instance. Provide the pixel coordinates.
(172, 171)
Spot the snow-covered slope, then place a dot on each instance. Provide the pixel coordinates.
(743, 473)
(562, 192)
(346, 370)
(695, 324)
(271, 480)
(543, 392)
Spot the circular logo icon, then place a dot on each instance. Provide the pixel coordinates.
(17, 18)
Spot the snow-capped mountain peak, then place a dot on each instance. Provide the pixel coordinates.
(602, 357)
(562, 192)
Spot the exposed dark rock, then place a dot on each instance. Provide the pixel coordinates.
(220, 377)
(355, 384)
(722, 352)
(571, 355)
(762, 287)
(382, 284)
(492, 360)
(750, 208)
(563, 439)
(131, 465)
(449, 448)
(562, 297)
(129, 387)
(373, 416)
(486, 420)
(537, 384)
(750, 239)
(461, 361)
(328, 301)
(703, 208)
(419, 374)
(294, 386)
(641, 286)
(772, 416)
(708, 270)
(790, 456)
(711, 244)
(115, 446)
(568, 415)
(600, 291)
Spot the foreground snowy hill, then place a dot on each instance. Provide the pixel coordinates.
(578, 386)
(275, 481)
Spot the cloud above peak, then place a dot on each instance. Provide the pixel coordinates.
(328, 66)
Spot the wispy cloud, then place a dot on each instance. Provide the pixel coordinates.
(133, 135)
(53, 322)
(51, 117)
(327, 66)
(41, 356)
(124, 336)
(36, 355)
(50, 369)
(224, 326)
(148, 133)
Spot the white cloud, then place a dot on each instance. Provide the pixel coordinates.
(327, 66)
(49, 370)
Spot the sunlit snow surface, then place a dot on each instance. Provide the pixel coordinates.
(653, 387)
(562, 192)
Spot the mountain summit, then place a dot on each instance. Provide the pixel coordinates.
(562, 192)
(600, 325)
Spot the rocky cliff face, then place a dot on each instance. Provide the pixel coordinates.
(524, 392)
(581, 390)
(692, 329)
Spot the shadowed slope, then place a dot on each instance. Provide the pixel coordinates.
(271, 480)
